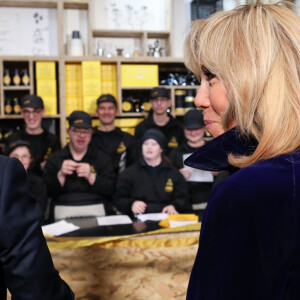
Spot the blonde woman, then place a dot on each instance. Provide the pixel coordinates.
(248, 60)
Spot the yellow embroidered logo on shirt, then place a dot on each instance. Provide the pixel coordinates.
(93, 170)
(49, 151)
(169, 186)
(173, 142)
(121, 148)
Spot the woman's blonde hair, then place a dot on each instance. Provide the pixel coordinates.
(255, 51)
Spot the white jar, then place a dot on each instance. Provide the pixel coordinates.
(76, 46)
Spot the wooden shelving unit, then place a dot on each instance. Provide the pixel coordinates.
(166, 63)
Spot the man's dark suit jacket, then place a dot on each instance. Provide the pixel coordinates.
(26, 267)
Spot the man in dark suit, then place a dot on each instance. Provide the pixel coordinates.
(26, 267)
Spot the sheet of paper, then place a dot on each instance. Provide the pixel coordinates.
(174, 223)
(152, 217)
(114, 220)
(59, 228)
(198, 175)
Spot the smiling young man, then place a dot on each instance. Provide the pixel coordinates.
(79, 174)
(42, 142)
(119, 145)
(160, 119)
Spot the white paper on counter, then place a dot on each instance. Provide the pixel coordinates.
(198, 175)
(152, 217)
(59, 228)
(178, 223)
(114, 220)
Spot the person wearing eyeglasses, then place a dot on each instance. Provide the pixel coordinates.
(23, 152)
(42, 142)
(79, 174)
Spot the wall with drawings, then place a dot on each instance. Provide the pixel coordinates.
(28, 31)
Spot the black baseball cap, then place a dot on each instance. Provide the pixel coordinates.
(193, 119)
(18, 143)
(156, 135)
(159, 92)
(80, 119)
(107, 98)
(32, 101)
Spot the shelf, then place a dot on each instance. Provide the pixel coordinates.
(131, 114)
(170, 87)
(28, 3)
(29, 58)
(121, 59)
(16, 88)
(76, 4)
(130, 34)
(12, 117)
(117, 33)
(184, 87)
(137, 87)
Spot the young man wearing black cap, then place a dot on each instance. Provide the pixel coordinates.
(199, 182)
(119, 145)
(42, 142)
(159, 118)
(79, 174)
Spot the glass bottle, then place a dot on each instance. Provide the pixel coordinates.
(25, 77)
(6, 77)
(17, 106)
(8, 107)
(16, 78)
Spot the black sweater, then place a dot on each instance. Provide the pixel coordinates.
(156, 186)
(100, 164)
(119, 145)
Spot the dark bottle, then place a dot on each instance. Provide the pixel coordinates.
(136, 105)
(6, 78)
(8, 106)
(25, 77)
(16, 78)
(180, 100)
(189, 99)
(17, 106)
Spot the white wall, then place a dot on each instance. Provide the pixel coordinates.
(131, 14)
(181, 18)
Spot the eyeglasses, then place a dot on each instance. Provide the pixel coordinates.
(34, 112)
(78, 131)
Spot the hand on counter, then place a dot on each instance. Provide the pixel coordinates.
(170, 209)
(138, 207)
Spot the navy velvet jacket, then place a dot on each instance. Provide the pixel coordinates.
(26, 267)
(249, 245)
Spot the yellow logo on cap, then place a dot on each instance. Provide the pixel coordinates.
(26, 101)
(121, 148)
(169, 186)
(173, 142)
(78, 121)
